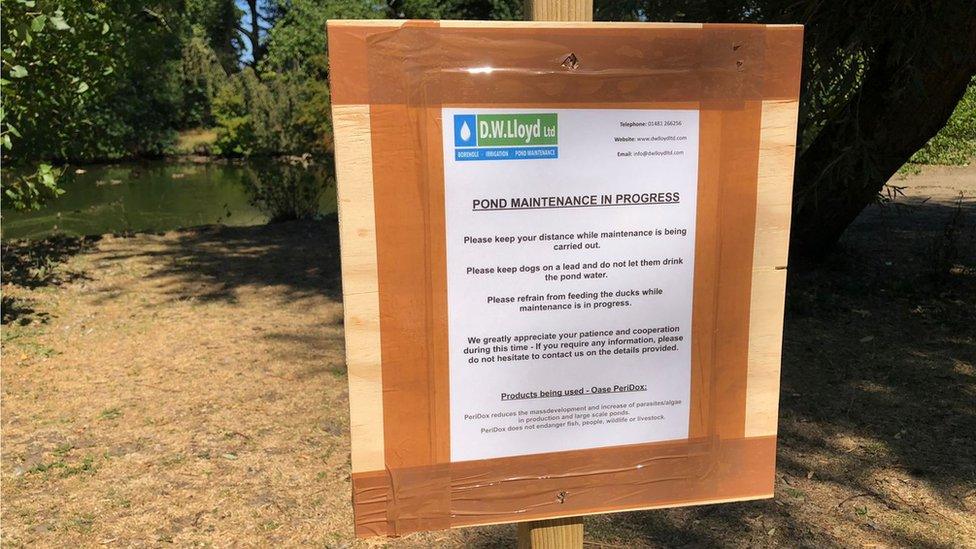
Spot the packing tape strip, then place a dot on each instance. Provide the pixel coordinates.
(479, 64)
(593, 481)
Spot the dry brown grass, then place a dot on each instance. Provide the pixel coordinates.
(197, 141)
(189, 389)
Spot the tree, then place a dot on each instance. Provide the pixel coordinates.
(268, 116)
(259, 18)
(90, 80)
(216, 22)
(32, 37)
(298, 39)
(501, 10)
(880, 78)
(201, 77)
(915, 61)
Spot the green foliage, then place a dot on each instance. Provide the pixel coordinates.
(287, 191)
(297, 53)
(89, 80)
(292, 89)
(201, 77)
(31, 191)
(97, 80)
(499, 10)
(285, 114)
(24, 62)
(956, 142)
(100, 80)
(215, 21)
(298, 40)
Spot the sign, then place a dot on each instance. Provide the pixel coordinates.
(563, 283)
(567, 261)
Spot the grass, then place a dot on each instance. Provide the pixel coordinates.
(64, 468)
(109, 414)
(196, 141)
(222, 419)
(82, 523)
(955, 144)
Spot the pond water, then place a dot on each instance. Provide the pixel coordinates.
(165, 195)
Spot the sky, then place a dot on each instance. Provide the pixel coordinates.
(246, 54)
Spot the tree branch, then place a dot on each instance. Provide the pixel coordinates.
(245, 32)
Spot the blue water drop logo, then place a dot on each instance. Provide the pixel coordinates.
(464, 127)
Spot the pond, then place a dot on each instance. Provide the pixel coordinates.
(164, 195)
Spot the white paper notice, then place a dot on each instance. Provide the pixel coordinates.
(570, 257)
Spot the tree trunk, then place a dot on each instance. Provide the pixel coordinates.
(253, 34)
(911, 88)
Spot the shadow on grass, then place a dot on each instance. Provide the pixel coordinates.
(33, 264)
(212, 263)
(315, 348)
(878, 402)
(878, 386)
(878, 399)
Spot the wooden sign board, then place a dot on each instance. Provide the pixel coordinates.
(564, 255)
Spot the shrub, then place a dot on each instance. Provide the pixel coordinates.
(284, 114)
(201, 76)
(289, 190)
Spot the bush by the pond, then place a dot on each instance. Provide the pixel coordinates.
(285, 191)
(281, 114)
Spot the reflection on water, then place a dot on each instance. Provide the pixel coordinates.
(285, 191)
(160, 195)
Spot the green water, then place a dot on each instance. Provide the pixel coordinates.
(152, 196)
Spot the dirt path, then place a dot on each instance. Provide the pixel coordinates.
(189, 389)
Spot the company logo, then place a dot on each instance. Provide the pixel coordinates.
(505, 136)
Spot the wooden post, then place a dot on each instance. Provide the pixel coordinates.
(558, 10)
(562, 533)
